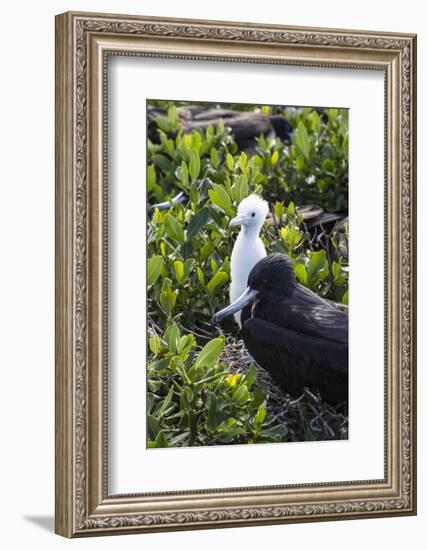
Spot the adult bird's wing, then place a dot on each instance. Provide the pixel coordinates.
(296, 360)
(325, 323)
(307, 313)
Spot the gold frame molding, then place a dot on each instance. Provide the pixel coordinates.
(83, 43)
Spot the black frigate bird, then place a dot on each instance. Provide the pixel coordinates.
(300, 338)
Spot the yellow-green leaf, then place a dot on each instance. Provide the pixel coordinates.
(155, 344)
(230, 161)
(200, 276)
(154, 268)
(179, 270)
(345, 298)
(173, 116)
(243, 161)
(210, 353)
(194, 166)
(274, 158)
(301, 273)
(260, 415)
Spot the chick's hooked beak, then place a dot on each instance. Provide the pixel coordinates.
(248, 297)
(240, 219)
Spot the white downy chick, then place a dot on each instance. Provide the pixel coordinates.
(248, 248)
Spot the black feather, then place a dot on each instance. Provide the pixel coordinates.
(300, 338)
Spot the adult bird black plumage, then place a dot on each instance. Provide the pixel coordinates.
(300, 338)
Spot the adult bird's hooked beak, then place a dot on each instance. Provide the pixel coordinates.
(248, 297)
(240, 219)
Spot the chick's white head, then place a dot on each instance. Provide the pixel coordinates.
(251, 213)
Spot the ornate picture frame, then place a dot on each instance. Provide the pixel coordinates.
(84, 42)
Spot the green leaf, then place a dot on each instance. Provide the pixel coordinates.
(241, 395)
(301, 140)
(211, 423)
(206, 250)
(279, 210)
(168, 144)
(159, 365)
(345, 298)
(160, 441)
(184, 175)
(317, 267)
(258, 397)
(194, 167)
(230, 161)
(259, 162)
(154, 268)
(220, 198)
(166, 402)
(168, 300)
(214, 265)
(328, 165)
(344, 122)
(172, 336)
(322, 184)
(188, 266)
(173, 116)
(168, 296)
(336, 268)
(174, 229)
(151, 177)
(333, 113)
(163, 124)
(260, 415)
(155, 344)
(217, 281)
(153, 426)
(299, 163)
(214, 157)
(197, 142)
(301, 273)
(200, 276)
(187, 142)
(250, 377)
(274, 158)
(185, 345)
(315, 122)
(163, 163)
(198, 221)
(179, 270)
(243, 161)
(210, 353)
(241, 188)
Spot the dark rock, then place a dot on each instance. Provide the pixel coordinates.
(245, 125)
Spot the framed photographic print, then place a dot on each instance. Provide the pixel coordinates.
(235, 274)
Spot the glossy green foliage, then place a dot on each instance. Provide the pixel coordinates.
(193, 400)
(198, 402)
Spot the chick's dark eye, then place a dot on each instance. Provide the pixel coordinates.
(253, 214)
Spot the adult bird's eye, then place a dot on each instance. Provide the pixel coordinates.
(253, 214)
